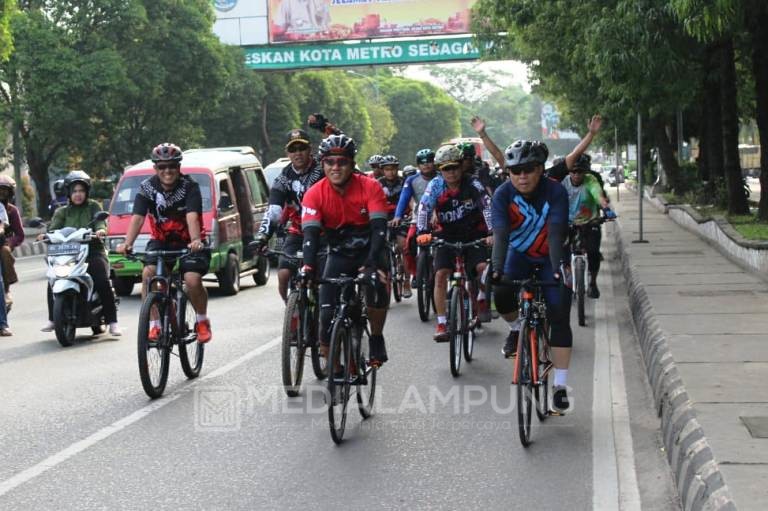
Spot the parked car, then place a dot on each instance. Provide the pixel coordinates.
(235, 196)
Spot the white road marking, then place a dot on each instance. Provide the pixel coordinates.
(613, 464)
(78, 447)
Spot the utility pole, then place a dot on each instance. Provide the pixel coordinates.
(640, 191)
(619, 176)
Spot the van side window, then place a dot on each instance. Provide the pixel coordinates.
(226, 202)
(259, 190)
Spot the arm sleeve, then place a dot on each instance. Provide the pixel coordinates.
(484, 202)
(311, 241)
(378, 239)
(405, 197)
(426, 205)
(500, 230)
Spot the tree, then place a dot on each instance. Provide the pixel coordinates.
(7, 9)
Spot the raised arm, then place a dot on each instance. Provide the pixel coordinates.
(479, 126)
(593, 128)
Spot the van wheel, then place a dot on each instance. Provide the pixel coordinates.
(123, 285)
(229, 276)
(261, 277)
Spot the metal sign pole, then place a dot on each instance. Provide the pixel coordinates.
(619, 176)
(640, 191)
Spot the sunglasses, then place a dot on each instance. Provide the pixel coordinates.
(516, 171)
(167, 166)
(578, 171)
(450, 168)
(297, 148)
(341, 161)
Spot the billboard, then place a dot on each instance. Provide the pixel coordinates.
(361, 53)
(550, 124)
(332, 20)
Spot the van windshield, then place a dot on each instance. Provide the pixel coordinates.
(123, 200)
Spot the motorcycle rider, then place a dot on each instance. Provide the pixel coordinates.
(14, 234)
(77, 214)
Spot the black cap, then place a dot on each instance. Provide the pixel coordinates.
(297, 135)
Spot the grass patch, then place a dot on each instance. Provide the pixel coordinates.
(749, 227)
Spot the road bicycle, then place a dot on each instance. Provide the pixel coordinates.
(348, 358)
(301, 324)
(461, 314)
(532, 363)
(396, 263)
(168, 303)
(580, 264)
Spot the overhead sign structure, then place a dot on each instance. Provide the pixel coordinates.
(362, 53)
(335, 20)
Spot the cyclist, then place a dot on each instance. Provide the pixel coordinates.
(14, 235)
(585, 198)
(472, 164)
(530, 225)
(392, 184)
(79, 213)
(374, 163)
(175, 207)
(352, 209)
(413, 188)
(285, 198)
(409, 170)
(463, 210)
(561, 168)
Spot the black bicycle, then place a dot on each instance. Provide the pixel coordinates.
(425, 282)
(396, 263)
(580, 264)
(301, 324)
(168, 311)
(348, 356)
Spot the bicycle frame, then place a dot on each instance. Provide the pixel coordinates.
(166, 285)
(533, 312)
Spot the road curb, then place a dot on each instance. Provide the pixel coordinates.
(28, 248)
(699, 482)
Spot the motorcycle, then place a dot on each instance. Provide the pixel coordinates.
(75, 302)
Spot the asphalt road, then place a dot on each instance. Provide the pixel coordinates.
(77, 431)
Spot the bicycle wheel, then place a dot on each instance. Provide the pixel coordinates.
(191, 352)
(366, 389)
(293, 346)
(311, 329)
(424, 289)
(543, 390)
(579, 271)
(524, 388)
(397, 291)
(154, 356)
(469, 331)
(338, 381)
(455, 329)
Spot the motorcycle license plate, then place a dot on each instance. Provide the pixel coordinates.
(64, 249)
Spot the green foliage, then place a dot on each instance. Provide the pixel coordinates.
(7, 9)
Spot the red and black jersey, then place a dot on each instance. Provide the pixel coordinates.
(392, 190)
(168, 209)
(345, 217)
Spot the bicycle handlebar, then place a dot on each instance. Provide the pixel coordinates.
(458, 245)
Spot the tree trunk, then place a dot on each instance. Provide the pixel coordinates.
(711, 143)
(702, 161)
(38, 172)
(759, 34)
(737, 197)
(667, 149)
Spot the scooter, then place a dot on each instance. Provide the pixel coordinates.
(75, 302)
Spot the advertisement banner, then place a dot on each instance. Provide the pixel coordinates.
(334, 20)
(550, 124)
(361, 54)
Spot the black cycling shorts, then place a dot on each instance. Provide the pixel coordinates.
(199, 262)
(445, 256)
(292, 244)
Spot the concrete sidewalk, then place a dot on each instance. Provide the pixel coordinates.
(703, 323)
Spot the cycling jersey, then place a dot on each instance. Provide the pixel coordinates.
(529, 221)
(413, 187)
(168, 209)
(583, 200)
(286, 195)
(346, 218)
(463, 214)
(392, 190)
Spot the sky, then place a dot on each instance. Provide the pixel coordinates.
(517, 70)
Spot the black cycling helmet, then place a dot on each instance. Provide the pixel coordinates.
(389, 159)
(467, 149)
(558, 160)
(584, 163)
(523, 153)
(425, 156)
(338, 145)
(59, 188)
(166, 152)
(75, 177)
(374, 161)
